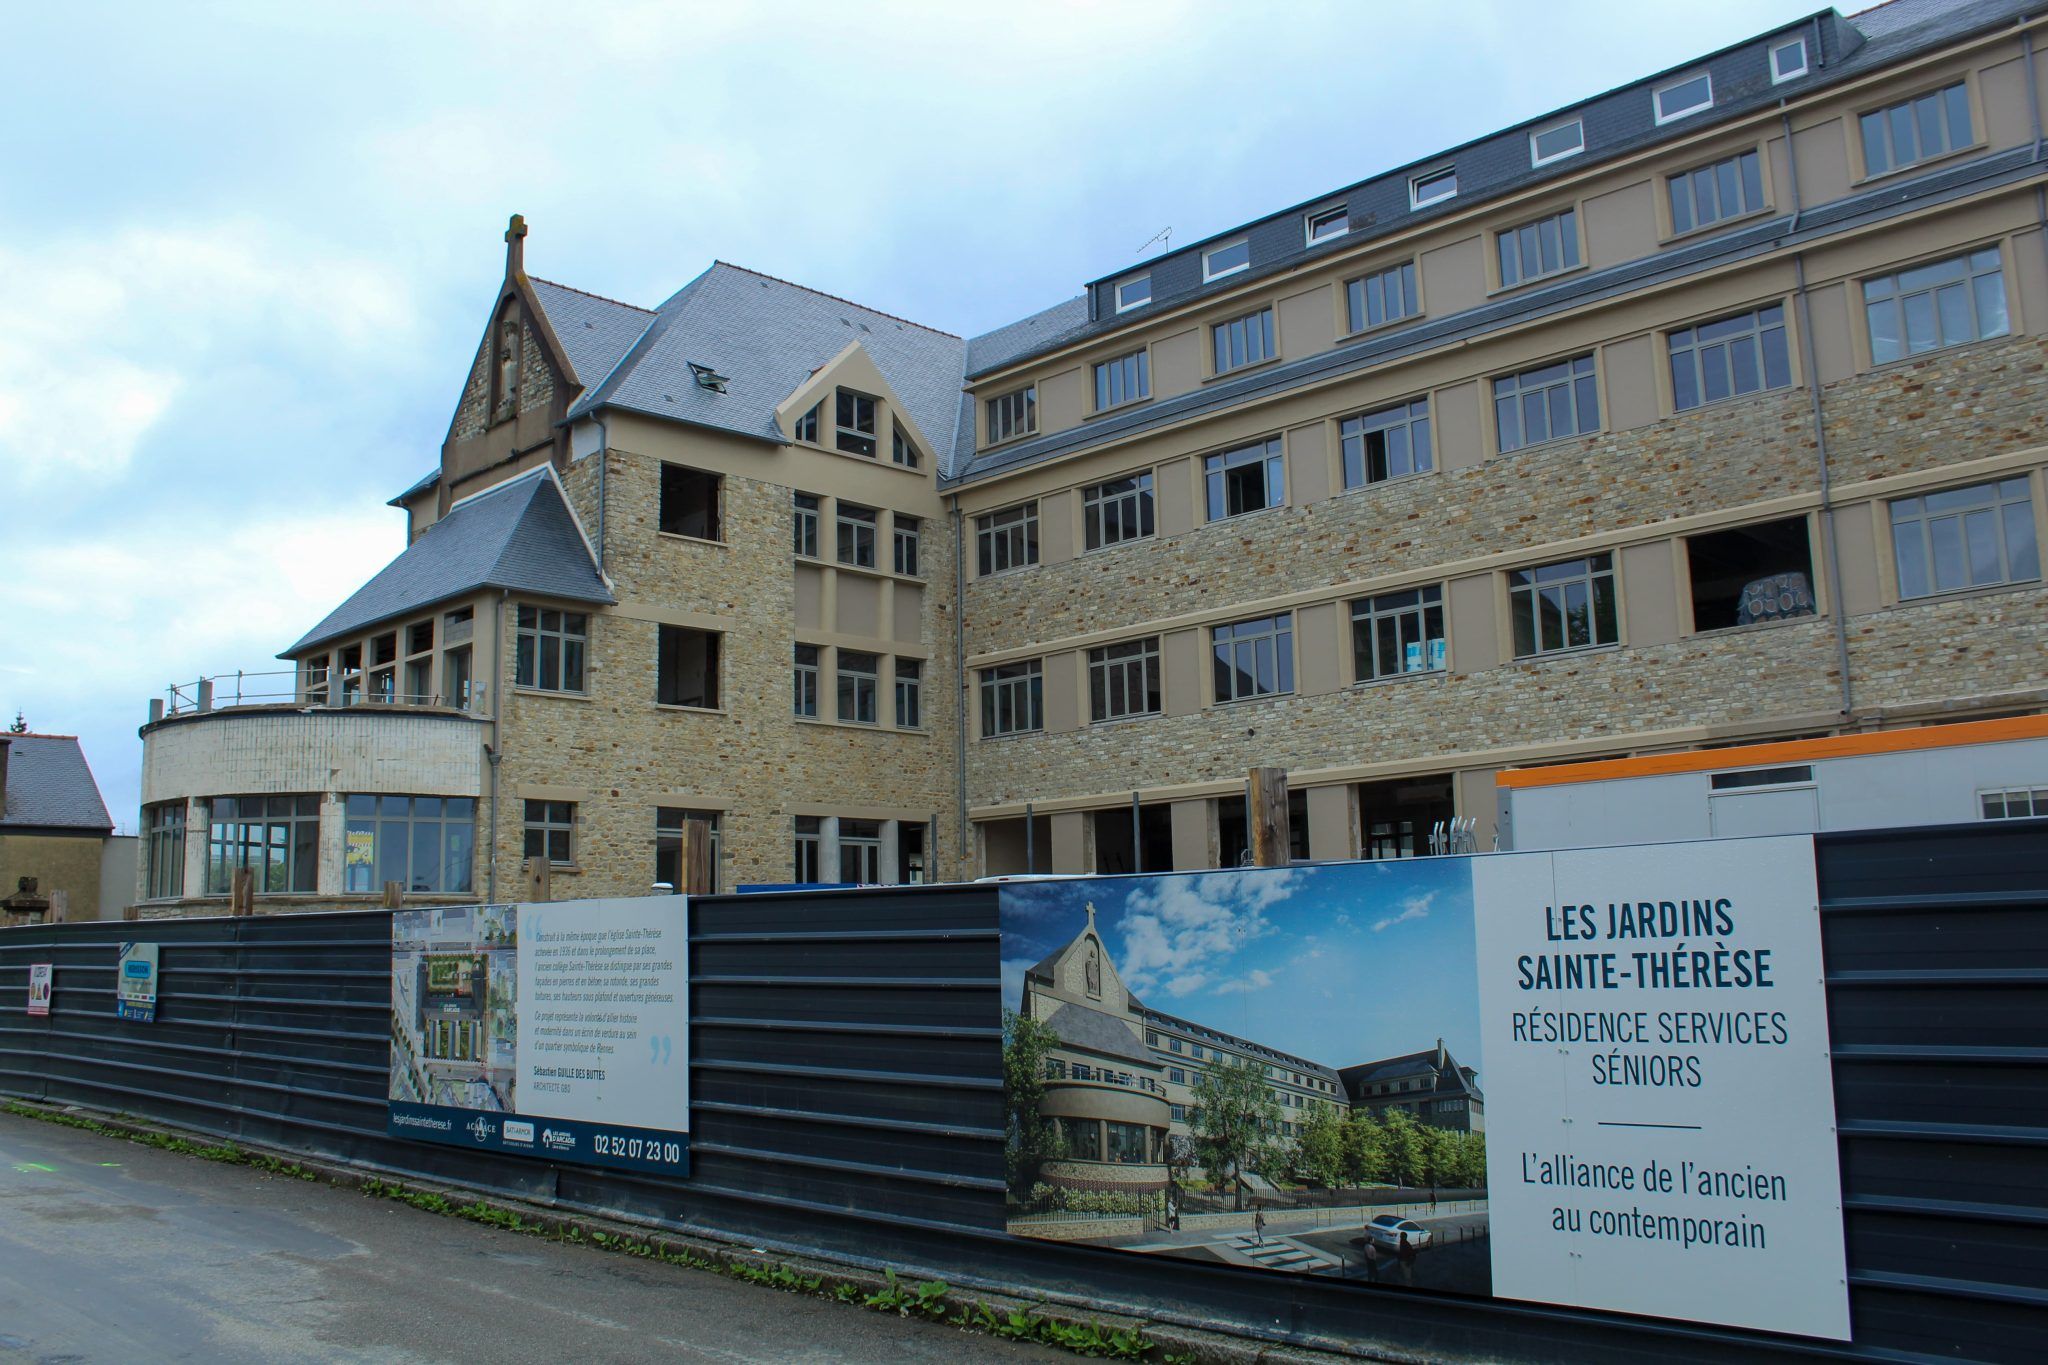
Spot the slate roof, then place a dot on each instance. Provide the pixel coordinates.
(50, 786)
(767, 336)
(519, 535)
(1449, 1079)
(1098, 1032)
(1274, 1055)
(595, 331)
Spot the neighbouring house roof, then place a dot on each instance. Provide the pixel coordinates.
(1450, 1077)
(519, 535)
(50, 786)
(1098, 1032)
(767, 336)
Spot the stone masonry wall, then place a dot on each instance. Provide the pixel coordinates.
(625, 755)
(1959, 405)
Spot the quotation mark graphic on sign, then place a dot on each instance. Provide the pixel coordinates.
(662, 1049)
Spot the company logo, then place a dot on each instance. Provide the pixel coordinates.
(518, 1130)
(481, 1128)
(555, 1140)
(136, 969)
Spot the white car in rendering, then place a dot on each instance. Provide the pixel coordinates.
(1388, 1229)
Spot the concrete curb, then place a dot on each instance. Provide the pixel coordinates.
(1197, 1343)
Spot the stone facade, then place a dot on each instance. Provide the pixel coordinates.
(621, 757)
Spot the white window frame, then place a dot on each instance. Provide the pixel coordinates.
(1123, 305)
(2035, 799)
(1210, 254)
(1416, 199)
(1663, 115)
(1537, 159)
(1342, 213)
(1805, 62)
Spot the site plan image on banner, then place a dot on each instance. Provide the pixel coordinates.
(1596, 1078)
(559, 1031)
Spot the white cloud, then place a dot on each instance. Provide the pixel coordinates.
(1257, 980)
(1177, 928)
(100, 335)
(1414, 907)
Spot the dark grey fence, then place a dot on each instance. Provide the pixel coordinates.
(845, 1071)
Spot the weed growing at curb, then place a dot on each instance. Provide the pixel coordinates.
(928, 1299)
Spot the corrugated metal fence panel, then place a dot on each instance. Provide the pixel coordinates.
(846, 1096)
(1937, 961)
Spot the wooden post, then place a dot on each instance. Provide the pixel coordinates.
(534, 873)
(697, 871)
(242, 894)
(394, 895)
(1266, 813)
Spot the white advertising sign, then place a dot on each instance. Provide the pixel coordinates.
(603, 1030)
(41, 976)
(1660, 1110)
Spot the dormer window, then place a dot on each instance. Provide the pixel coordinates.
(1433, 188)
(1328, 225)
(1135, 292)
(855, 414)
(1227, 259)
(1682, 98)
(1788, 59)
(900, 448)
(1557, 142)
(807, 425)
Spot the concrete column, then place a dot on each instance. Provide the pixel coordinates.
(329, 877)
(1070, 842)
(1190, 835)
(1332, 829)
(828, 846)
(892, 838)
(196, 812)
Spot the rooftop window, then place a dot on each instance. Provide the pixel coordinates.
(1329, 224)
(1557, 142)
(1133, 293)
(1436, 186)
(1788, 59)
(1227, 259)
(1683, 97)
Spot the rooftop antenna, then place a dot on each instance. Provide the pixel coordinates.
(1163, 236)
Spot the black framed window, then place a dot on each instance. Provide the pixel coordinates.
(424, 843)
(1254, 658)
(1013, 698)
(550, 828)
(1118, 510)
(1729, 357)
(1388, 443)
(1398, 632)
(1564, 606)
(550, 648)
(276, 837)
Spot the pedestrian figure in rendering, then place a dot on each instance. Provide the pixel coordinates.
(1432, 1201)
(1259, 1224)
(1372, 1261)
(1407, 1255)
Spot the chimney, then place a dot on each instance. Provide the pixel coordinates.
(515, 246)
(1441, 1057)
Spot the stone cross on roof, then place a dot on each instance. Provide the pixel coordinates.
(515, 245)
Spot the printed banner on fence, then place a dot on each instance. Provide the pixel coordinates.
(1597, 1078)
(553, 1030)
(135, 981)
(41, 979)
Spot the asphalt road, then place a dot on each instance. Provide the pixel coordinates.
(112, 1251)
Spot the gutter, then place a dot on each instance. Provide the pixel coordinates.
(494, 752)
(1837, 609)
(962, 694)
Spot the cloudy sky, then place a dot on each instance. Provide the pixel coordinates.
(246, 251)
(1341, 964)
